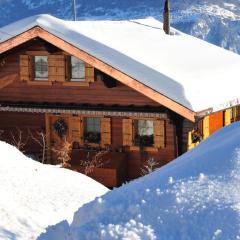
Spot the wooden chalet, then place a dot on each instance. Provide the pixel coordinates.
(50, 85)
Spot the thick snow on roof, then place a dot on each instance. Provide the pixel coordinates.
(191, 72)
(197, 196)
(34, 195)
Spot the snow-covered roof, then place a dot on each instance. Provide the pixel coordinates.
(189, 71)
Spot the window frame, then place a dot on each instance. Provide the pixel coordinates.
(82, 83)
(136, 132)
(34, 69)
(46, 81)
(32, 80)
(77, 80)
(84, 119)
(152, 148)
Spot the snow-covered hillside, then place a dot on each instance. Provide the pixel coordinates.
(216, 21)
(33, 195)
(197, 196)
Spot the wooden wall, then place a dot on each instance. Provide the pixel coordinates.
(162, 156)
(216, 121)
(96, 93)
(134, 160)
(11, 123)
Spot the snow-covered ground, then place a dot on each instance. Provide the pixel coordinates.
(197, 196)
(33, 195)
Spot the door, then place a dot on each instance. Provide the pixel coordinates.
(57, 131)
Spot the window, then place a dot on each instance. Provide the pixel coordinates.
(41, 68)
(77, 69)
(144, 133)
(92, 130)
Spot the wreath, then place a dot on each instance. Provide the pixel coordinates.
(60, 127)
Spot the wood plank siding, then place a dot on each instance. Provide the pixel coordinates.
(216, 121)
(10, 123)
(97, 92)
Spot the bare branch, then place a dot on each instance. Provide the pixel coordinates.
(41, 140)
(149, 166)
(97, 161)
(63, 152)
(18, 141)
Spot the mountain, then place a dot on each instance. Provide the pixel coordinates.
(216, 21)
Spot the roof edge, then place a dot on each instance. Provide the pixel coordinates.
(218, 108)
(40, 32)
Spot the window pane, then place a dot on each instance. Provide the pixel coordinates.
(144, 132)
(41, 67)
(145, 127)
(92, 130)
(78, 69)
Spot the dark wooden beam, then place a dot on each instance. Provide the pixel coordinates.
(166, 17)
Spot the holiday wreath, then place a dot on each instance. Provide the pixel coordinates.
(60, 127)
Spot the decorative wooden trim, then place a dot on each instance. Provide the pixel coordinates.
(84, 113)
(93, 61)
(19, 39)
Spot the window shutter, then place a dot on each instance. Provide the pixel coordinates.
(56, 68)
(127, 132)
(227, 117)
(75, 129)
(68, 68)
(206, 127)
(105, 131)
(159, 133)
(26, 71)
(89, 73)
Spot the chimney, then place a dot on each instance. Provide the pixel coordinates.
(166, 17)
(74, 10)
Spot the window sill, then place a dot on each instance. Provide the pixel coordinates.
(94, 145)
(38, 82)
(147, 149)
(76, 84)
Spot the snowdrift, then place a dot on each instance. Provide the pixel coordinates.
(197, 196)
(34, 195)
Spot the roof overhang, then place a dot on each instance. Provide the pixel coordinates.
(99, 64)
